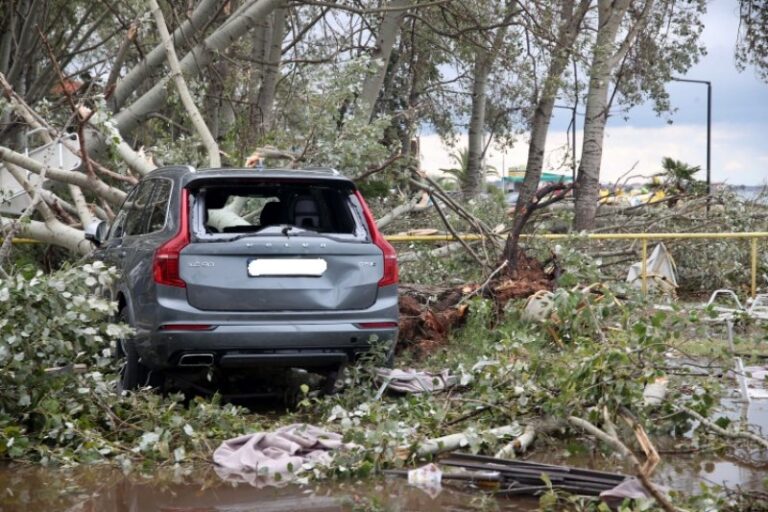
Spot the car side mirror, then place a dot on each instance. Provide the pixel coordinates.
(96, 232)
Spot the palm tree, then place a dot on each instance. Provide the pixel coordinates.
(678, 175)
(459, 173)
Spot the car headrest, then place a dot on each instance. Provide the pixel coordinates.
(305, 212)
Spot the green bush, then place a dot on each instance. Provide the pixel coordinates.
(49, 324)
(53, 411)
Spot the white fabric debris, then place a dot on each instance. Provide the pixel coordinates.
(655, 391)
(660, 269)
(282, 452)
(413, 381)
(630, 488)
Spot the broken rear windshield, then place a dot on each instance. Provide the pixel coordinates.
(269, 208)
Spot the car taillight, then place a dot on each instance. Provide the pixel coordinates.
(165, 266)
(391, 275)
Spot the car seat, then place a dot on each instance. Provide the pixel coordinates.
(306, 213)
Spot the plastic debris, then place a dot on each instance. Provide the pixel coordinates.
(654, 393)
(661, 271)
(429, 475)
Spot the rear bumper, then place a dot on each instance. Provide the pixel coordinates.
(270, 339)
(260, 345)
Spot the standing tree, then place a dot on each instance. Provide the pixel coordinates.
(659, 38)
(485, 56)
(560, 46)
(752, 42)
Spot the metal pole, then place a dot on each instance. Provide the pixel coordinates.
(739, 370)
(709, 145)
(645, 267)
(709, 131)
(754, 267)
(573, 136)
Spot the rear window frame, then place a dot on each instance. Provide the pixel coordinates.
(199, 233)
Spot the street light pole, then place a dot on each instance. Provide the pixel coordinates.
(573, 136)
(709, 131)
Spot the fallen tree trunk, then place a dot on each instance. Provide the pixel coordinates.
(518, 445)
(453, 442)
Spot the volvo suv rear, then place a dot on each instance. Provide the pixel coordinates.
(250, 270)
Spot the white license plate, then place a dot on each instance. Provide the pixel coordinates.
(286, 267)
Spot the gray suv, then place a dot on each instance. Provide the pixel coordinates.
(256, 270)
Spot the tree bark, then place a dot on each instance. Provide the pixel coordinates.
(542, 114)
(214, 159)
(111, 194)
(54, 233)
(389, 28)
(194, 62)
(604, 60)
(266, 98)
(472, 183)
(187, 31)
(484, 60)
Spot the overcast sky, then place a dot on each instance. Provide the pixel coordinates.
(739, 121)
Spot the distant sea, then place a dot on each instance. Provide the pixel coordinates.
(749, 193)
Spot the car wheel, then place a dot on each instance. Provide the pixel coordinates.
(329, 380)
(129, 367)
(132, 373)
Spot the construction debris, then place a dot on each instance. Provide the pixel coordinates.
(525, 477)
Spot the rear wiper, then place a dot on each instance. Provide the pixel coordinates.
(288, 228)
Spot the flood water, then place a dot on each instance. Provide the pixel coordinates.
(107, 490)
(99, 488)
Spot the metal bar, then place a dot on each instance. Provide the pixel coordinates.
(533, 475)
(591, 236)
(22, 241)
(709, 145)
(644, 263)
(741, 376)
(753, 242)
(529, 463)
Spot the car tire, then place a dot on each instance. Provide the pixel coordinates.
(133, 374)
(329, 380)
(130, 369)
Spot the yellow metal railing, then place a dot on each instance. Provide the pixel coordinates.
(752, 236)
(22, 241)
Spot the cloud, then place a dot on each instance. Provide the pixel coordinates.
(739, 153)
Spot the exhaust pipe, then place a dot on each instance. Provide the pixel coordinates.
(196, 360)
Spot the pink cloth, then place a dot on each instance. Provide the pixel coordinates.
(283, 451)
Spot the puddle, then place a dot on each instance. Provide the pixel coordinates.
(685, 472)
(107, 490)
(98, 488)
